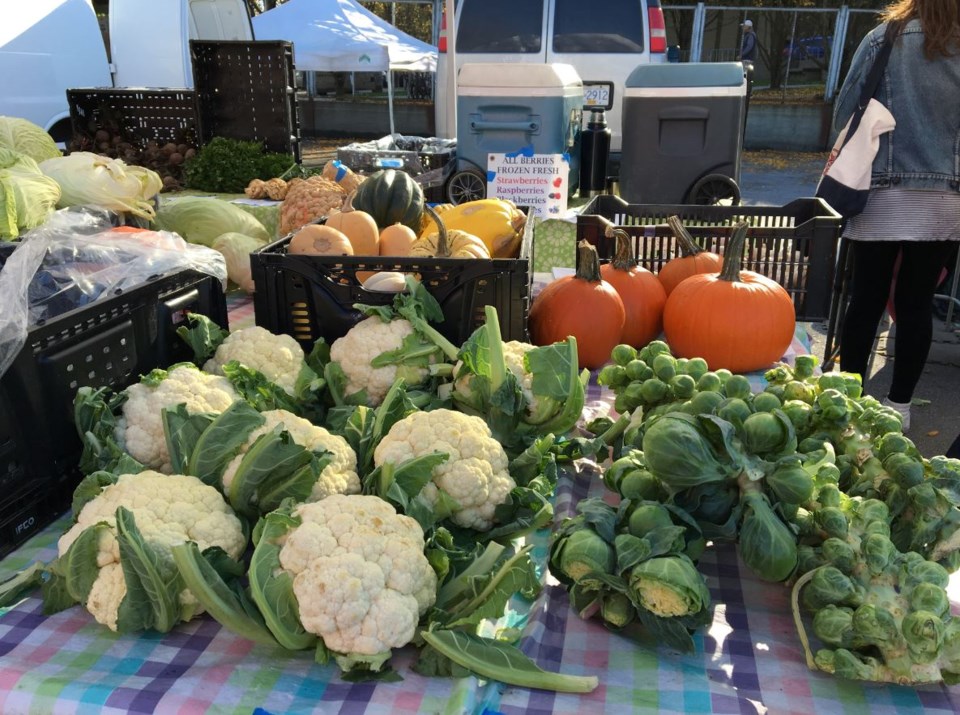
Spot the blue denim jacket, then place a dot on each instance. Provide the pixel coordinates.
(923, 152)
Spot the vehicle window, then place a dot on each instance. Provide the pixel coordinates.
(614, 26)
(501, 26)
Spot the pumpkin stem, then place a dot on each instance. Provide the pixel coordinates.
(623, 259)
(588, 262)
(733, 253)
(443, 246)
(688, 247)
(348, 203)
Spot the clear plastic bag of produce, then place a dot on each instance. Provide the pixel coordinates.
(78, 257)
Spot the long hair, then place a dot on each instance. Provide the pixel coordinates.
(940, 20)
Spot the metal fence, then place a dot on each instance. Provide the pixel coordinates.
(797, 47)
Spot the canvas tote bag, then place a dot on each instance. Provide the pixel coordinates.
(845, 182)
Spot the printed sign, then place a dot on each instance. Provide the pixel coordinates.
(538, 181)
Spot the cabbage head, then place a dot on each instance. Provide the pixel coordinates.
(27, 197)
(202, 219)
(27, 138)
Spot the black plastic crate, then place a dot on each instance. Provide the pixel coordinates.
(310, 297)
(795, 245)
(138, 115)
(108, 343)
(247, 91)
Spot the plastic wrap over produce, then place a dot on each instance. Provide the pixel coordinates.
(78, 257)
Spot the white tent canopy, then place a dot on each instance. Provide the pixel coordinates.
(342, 36)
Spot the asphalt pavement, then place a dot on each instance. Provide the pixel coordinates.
(775, 179)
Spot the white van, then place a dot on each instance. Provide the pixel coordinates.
(604, 41)
(50, 46)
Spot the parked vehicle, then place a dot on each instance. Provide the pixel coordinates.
(50, 46)
(809, 52)
(604, 42)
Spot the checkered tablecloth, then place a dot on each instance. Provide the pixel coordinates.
(747, 661)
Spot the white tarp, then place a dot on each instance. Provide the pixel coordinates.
(342, 36)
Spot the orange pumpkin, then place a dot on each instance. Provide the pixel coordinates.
(583, 306)
(738, 320)
(691, 261)
(642, 293)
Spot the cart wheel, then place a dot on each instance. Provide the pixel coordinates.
(715, 190)
(468, 185)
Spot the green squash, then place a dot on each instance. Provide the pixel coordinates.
(390, 197)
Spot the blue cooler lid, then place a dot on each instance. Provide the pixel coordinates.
(688, 74)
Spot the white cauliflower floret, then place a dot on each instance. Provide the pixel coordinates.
(359, 573)
(476, 475)
(168, 510)
(140, 428)
(278, 357)
(338, 477)
(364, 342)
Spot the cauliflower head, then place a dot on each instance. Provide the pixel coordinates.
(140, 428)
(278, 357)
(364, 342)
(360, 576)
(338, 477)
(169, 510)
(476, 475)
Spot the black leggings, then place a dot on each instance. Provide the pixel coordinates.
(917, 278)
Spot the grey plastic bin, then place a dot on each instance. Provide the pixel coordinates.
(683, 133)
(514, 106)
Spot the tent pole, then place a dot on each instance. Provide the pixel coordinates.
(390, 97)
(451, 89)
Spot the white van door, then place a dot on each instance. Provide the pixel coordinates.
(161, 57)
(46, 48)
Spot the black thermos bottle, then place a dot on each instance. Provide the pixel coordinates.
(594, 152)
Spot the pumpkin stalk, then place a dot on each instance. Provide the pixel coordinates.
(443, 247)
(588, 262)
(688, 247)
(623, 258)
(733, 255)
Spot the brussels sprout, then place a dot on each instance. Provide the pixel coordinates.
(877, 527)
(647, 517)
(829, 495)
(853, 385)
(845, 664)
(654, 390)
(629, 462)
(612, 375)
(832, 521)
(840, 554)
(623, 404)
(617, 610)
(733, 410)
(683, 386)
(704, 403)
(808, 558)
(769, 433)
(638, 370)
(878, 551)
(894, 443)
(797, 390)
(830, 585)
(723, 374)
(766, 544)
(709, 382)
(664, 367)
(907, 472)
(791, 484)
(923, 631)
(800, 414)
(834, 625)
(584, 551)
(914, 569)
(679, 454)
(640, 485)
(832, 381)
(655, 347)
(737, 386)
(634, 392)
(804, 366)
(765, 402)
(930, 597)
(875, 625)
(870, 510)
(669, 586)
(696, 368)
(623, 354)
(833, 406)
(776, 391)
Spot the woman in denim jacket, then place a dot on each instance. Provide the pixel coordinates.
(913, 209)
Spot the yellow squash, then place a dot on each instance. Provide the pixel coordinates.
(496, 222)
